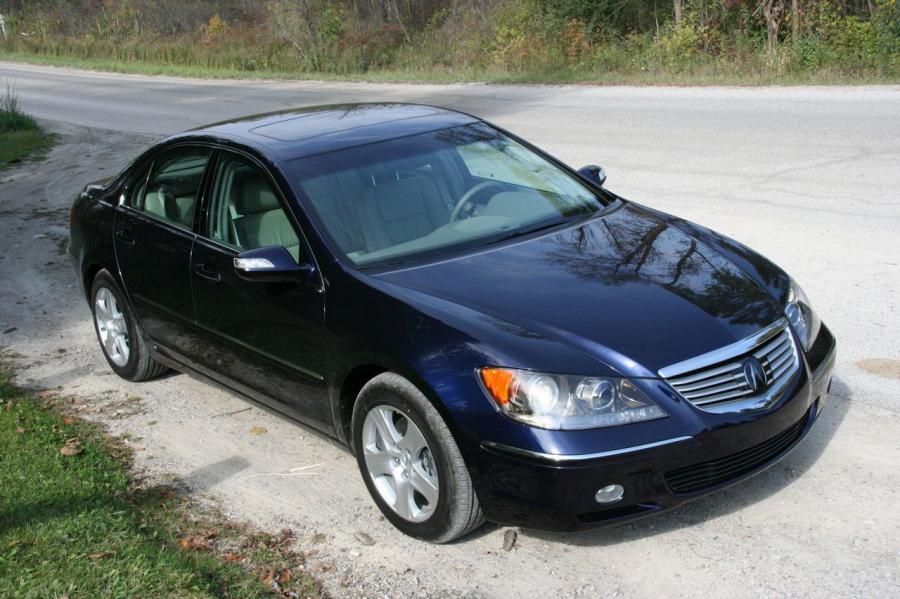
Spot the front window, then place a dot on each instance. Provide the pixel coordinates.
(244, 211)
(436, 192)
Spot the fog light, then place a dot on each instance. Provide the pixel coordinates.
(610, 494)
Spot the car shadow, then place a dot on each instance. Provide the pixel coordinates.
(204, 478)
(57, 379)
(732, 499)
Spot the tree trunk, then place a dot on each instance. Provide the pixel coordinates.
(773, 10)
(795, 19)
(679, 5)
(655, 20)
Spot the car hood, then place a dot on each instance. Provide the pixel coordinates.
(628, 288)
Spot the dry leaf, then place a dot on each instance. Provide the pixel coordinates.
(258, 430)
(232, 557)
(284, 577)
(267, 578)
(68, 420)
(20, 430)
(287, 535)
(363, 538)
(72, 447)
(319, 537)
(197, 543)
(99, 554)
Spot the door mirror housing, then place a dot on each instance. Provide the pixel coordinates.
(272, 264)
(593, 173)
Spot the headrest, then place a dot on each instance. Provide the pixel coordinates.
(255, 196)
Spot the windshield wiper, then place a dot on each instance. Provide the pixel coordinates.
(528, 231)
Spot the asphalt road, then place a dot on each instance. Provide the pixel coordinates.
(808, 176)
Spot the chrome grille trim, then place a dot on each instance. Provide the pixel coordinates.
(715, 381)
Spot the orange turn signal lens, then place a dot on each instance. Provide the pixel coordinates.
(498, 382)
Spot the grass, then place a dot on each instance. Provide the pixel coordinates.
(708, 74)
(20, 135)
(80, 525)
(15, 146)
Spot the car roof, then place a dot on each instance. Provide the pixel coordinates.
(313, 130)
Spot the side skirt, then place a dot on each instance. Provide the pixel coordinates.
(263, 402)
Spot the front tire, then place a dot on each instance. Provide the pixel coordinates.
(410, 462)
(119, 333)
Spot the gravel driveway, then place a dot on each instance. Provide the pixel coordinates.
(818, 195)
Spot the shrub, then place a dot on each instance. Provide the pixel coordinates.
(11, 116)
(522, 38)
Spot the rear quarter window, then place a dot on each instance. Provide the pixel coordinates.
(170, 191)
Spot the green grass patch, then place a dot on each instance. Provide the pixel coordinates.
(79, 525)
(20, 135)
(703, 74)
(15, 146)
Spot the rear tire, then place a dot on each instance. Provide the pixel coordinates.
(119, 334)
(404, 449)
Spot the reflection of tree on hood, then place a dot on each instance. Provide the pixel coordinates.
(629, 246)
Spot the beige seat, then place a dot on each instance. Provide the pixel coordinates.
(179, 210)
(262, 221)
(401, 210)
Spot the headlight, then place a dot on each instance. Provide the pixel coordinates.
(566, 402)
(802, 317)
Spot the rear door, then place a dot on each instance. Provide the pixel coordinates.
(153, 239)
(268, 338)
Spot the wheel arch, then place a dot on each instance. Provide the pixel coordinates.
(89, 274)
(359, 375)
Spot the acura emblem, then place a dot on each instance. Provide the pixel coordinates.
(754, 374)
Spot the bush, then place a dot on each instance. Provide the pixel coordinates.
(11, 116)
(525, 39)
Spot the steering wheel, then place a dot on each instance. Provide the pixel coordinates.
(467, 197)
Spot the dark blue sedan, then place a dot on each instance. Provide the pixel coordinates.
(494, 335)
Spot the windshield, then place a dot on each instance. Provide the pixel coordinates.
(437, 192)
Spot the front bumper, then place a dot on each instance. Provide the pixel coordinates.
(557, 492)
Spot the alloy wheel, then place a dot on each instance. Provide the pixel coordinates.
(111, 326)
(400, 463)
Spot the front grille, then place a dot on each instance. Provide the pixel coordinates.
(698, 477)
(719, 377)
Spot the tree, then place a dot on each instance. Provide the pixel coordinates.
(773, 12)
(795, 19)
(679, 11)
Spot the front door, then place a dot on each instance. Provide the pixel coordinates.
(265, 337)
(153, 240)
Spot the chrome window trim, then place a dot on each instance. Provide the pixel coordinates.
(565, 458)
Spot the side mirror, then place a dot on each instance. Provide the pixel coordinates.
(272, 264)
(593, 173)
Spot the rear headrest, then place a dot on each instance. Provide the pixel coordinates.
(255, 196)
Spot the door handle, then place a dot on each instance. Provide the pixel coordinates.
(207, 272)
(125, 236)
